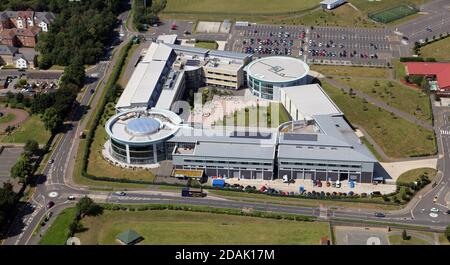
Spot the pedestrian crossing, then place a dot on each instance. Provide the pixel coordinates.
(445, 132)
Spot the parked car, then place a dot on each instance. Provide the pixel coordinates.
(120, 193)
(380, 215)
(434, 210)
(51, 161)
(71, 198)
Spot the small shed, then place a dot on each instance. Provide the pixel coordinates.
(129, 237)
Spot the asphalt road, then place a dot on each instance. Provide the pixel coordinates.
(56, 182)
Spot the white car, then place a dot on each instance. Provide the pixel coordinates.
(120, 193)
(434, 210)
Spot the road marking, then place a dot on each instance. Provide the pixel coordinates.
(445, 132)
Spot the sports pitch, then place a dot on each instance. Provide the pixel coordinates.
(393, 13)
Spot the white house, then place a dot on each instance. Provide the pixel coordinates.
(330, 4)
(21, 63)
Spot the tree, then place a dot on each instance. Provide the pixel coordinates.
(22, 168)
(405, 235)
(74, 73)
(7, 200)
(31, 147)
(86, 206)
(51, 119)
(447, 232)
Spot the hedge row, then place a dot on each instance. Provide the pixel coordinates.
(178, 207)
(417, 59)
(110, 91)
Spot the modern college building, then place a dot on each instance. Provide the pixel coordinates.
(267, 75)
(317, 144)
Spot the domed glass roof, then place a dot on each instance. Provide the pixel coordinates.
(142, 126)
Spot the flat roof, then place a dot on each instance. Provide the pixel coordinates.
(311, 100)
(168, 38)
(335, 141)
(278, 69)
(234, 150)
(327, 2)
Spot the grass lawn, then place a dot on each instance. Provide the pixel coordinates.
(182, 227)
(343, 16)
(7, 118)
(261, 11)
(58, 232)
(397, 95)
(398, 240)
(439, 50)
(247, 7)
(397, 137)
(412, 175)
(399, 69)
(31, 129)
(206, 45)
(98, 166)
(132, 50)
(371, 6)
(354, 71)
(371, 148)
(242, 117)
(443, 240)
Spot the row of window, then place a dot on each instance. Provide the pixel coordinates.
(215, 73)
(227, 162)
(318, 164)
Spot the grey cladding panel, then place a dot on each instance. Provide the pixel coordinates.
(300, 137)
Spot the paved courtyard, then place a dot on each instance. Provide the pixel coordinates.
(308, 186)
(347, 235)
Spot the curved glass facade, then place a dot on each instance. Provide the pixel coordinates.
(264, 89)
(142, 154)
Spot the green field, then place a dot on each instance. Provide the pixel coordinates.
(206, 45)
(247, 7)
(31, 129)
(352, 71)
(182, 227)
(394, 13)
(414, 174)
(397, 137)
(343, 16)
(440, 50)
(263, 11)
(58, 232)
(397, 95)
(398, 240)
(258, 114)
(7, 118)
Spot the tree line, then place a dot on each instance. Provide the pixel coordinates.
(81, 29)
(145, 12)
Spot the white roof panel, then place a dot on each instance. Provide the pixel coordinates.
(311, 100)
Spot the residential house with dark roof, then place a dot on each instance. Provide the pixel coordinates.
(7, 54)
(21, 28)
